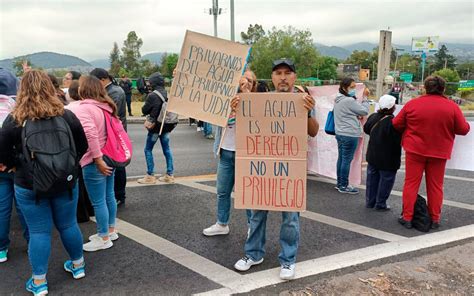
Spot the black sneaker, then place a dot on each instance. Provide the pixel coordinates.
(406, 224)
(384, 209)
(435, 225)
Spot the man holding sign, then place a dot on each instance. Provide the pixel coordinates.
(271, 149)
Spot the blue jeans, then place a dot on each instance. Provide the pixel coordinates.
(165, 146)
(101, 194)
(40, 216)
(379, 187)
(207, 129)
(346, 147)
(289, 236)
(7, 196)
(225, 185)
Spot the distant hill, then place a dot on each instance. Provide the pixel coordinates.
(333, 51)
(154, 57)
(49, 60)
(461, 51)
(100, 63)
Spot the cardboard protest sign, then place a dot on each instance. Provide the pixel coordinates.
(323, 153)
(207, 77)
(462, 157)
(271, 150)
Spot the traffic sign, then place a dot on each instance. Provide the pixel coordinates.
(407, 77)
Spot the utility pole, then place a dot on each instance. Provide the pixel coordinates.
(445, 62)
(232, 21)
(215, 11)
(383, 65)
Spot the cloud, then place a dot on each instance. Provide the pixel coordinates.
(87, 28)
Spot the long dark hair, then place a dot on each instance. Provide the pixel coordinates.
(345, 83)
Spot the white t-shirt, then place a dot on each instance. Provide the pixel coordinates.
(229, 137)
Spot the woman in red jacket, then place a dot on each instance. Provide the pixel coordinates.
(429, 124)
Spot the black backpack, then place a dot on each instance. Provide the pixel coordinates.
(50, 155)
(421, 217)
(141, 85)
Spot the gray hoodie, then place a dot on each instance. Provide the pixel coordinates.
(346, 110)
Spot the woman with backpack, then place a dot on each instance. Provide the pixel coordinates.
(383, 154)
(347, 114)
(98, 176)
(152, 108)
(44, 143)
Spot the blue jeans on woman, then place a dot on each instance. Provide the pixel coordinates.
(151, 140)
(225, 185)
(7, 197)
(289, 236)
(379, 186)
(207, 129)
(102, 196)
(346, 147)
(40, 215)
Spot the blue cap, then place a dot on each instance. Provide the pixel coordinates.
(8, 83)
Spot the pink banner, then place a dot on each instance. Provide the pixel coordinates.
(322, 149)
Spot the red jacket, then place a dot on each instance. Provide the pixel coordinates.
(429, 124)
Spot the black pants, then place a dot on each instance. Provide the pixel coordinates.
(84, 206)
(120, 182)
(128, 98)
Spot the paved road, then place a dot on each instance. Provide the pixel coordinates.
(161, 250)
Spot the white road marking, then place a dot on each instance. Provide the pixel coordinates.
(379, 234)
(269, 277)
(203, 266)
(398, 193)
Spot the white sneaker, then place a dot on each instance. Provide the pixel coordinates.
(148, 179)
(216, 229)
(96, 244)
(112, 235)
(198, 129)
(245, 263)
(167, 179)
(287, 271)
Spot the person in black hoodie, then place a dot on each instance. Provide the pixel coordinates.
(383, 154)
(152, 108)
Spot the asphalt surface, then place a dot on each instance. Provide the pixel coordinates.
(177, 213)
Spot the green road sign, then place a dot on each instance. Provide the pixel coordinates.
(466, 85)
(407, 77)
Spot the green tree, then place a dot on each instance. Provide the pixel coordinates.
(18, 65)
(450, 76)
(466, 70)
(115, 61)
(444, 60)
(284, 43)
(326, 68)
(253, 34)
(148, 67)
(168, 63)
(362, 58)
(122, 72)
(131, 54)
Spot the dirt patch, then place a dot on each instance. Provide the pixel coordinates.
(448, 272)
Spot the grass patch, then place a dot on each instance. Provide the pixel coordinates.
(137, 108)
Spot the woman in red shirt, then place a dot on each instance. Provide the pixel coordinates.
(429, 124)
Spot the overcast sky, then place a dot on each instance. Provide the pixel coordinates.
(88, 28)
